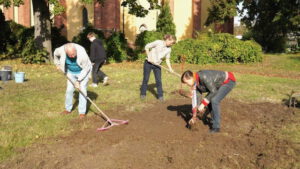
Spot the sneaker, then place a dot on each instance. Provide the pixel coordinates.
(161, 99)
(81, 116)
(105, 81)
(143, 97)
(65, 112)
(94, 85)
(214, 130)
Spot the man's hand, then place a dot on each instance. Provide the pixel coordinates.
(201, 108)
(171, 70)
(193, 120)
(57, 67)
(77, 84)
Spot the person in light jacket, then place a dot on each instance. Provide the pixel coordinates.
(156, 51)
(73, 60)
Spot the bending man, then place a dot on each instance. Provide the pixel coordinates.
(73, 60)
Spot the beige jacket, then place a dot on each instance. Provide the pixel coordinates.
(83, 60)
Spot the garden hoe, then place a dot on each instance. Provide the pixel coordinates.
(109, 122)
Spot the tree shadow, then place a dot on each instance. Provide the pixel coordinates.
(184, 111)
(91, 95)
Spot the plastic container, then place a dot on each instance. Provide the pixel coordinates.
(5, 75)
(19, 77)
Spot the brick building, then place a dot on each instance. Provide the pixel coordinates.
(189, 16)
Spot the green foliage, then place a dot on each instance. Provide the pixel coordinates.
(82, 39)
(31, 54)
(270, 21)
(137, 9)
(217, 48)
(57, 39)
(146, 37)
(117, 47)
(221, 11)
(4, 33)
(19, 43)
(165, 22)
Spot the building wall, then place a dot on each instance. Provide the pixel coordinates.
(74, 16)
(130, 24)
(183, 18)
(19, 14)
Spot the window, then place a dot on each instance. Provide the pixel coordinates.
(85, 20)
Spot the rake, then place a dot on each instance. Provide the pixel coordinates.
(108, 121)
(173, 73)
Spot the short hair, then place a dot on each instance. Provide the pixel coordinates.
(169, 37)
(91, 34)
(186, 75)
(69, 46)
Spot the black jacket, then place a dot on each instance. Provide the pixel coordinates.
(210, 81)
(97, 53)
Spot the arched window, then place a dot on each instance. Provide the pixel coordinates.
(85, 20)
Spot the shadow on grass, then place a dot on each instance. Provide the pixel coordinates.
(184, 111)
(91, 95)
(151, 88)
(297, 58)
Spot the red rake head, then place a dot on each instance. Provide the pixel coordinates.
(113, 122)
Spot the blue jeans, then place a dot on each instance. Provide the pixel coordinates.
(70, 92)
(215, 102)
(157, 74)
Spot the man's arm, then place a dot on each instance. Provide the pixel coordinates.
(151, 45)
(92, 52)
(85, 63)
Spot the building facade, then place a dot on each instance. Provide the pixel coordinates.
(189, 17)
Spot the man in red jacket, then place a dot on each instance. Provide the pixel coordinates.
(217, 84)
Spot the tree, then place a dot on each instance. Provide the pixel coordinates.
(165, 21)
(42, 25)
(269, 21)
(221, 11)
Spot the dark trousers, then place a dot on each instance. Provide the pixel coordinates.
(157, 74)
(97, 73)
(215, 102)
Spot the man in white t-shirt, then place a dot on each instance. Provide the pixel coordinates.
(156, 51)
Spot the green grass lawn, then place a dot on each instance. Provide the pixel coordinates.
(30, 111)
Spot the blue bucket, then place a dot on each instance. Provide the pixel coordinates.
(19, 77)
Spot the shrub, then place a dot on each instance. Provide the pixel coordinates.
(224, 48)
(31, 54)
(57, 39)
(82, 39)
(117, 47)
(165, 22)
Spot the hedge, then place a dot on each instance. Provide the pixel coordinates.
(218, 48)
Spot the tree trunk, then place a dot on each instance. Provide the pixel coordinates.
(42, 26)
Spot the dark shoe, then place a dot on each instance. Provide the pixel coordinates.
(143, 97)
(161, 99)
(65, 112)
(214, 130)
(81, 116)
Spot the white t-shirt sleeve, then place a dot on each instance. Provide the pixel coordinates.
(152, 44)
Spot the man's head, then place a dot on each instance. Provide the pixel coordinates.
(188, 78)
(91, 36)
(170, 40)
(70, 50)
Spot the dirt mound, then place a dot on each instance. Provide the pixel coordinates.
(158, 138)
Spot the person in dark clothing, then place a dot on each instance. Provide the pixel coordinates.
(217, 84)
(98, 58)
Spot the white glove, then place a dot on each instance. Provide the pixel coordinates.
(201, 108)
